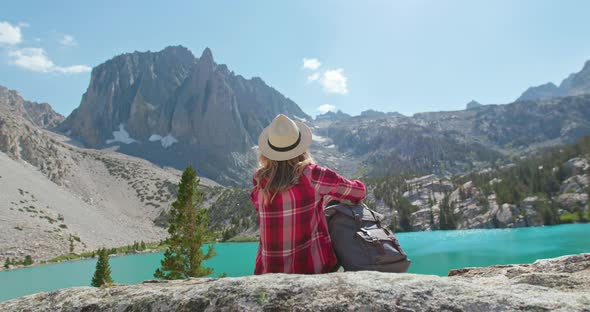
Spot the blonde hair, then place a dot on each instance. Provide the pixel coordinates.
(280, 175)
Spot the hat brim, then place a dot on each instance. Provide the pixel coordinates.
(269, 153)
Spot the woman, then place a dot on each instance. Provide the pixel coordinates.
(289, 194)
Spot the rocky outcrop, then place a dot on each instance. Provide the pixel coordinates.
(43, 115)
(472, 104)
(560, 284)
(40, 114)
(175, 109)
(22, 139)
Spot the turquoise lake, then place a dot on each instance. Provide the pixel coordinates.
(431, 253)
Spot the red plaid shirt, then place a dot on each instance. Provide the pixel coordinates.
(294, 235)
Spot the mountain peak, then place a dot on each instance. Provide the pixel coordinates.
(207, 55)
(575, 84)
(542, 92)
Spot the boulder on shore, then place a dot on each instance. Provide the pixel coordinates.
(559, 284)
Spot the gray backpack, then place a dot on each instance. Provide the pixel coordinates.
(359, 241)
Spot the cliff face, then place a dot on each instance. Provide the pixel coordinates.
(560, 284)
(174, 109)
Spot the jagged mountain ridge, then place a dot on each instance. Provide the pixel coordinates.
(174, 109)
(454, 142)
(40, 114)
(575, 84)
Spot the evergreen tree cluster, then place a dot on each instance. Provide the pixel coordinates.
(28, 260)
(137, 246)
(539, 176)
(233, 204)
(542, 174)
(390, 190)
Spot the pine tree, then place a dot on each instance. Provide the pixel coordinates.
(102, 274)
(6, 263)
(432, 224)
(143, 246)
(28, 260)
(188, 227)
(446, 215)
(71, 244)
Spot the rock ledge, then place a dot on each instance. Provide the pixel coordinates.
(559, 284)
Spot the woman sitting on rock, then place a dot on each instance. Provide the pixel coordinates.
(289, 194)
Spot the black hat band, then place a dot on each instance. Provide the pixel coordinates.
(287, 148)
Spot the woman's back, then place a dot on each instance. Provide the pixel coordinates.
(293, 231)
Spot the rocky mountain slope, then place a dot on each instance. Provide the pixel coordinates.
(454, 142)
(575, 84)
(559, 284)
(174, 110)
(54, 191)
(552, 187)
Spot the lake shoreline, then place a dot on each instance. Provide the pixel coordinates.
(36, 264)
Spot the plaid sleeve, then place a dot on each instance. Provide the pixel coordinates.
(328, 182)
(254, 194)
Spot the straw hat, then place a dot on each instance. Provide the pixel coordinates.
(284, 139)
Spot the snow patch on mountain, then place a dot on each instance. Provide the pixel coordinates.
(318, 138)
(166, 141)
(300, 118)
(155, 137)
(121, 136)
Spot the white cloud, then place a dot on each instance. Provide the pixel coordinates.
(334, 81)
(326, 108)
(74, 69)
(68, 40)
(313, 77)
(35, 59)
(311, 63)
(10, 34)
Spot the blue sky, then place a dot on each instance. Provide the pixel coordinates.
(405, 56)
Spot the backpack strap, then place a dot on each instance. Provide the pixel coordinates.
(374, 217)
(358, 219)
(374, 240)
